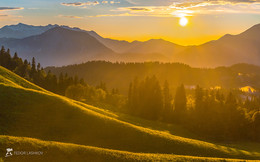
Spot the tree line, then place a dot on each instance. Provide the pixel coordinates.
(217, 114)
(96, 95)
(120, 74)
(33, 72)
(72, 87)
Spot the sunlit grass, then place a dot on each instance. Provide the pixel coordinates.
(9, 77)
(72, 152)
(29, 111)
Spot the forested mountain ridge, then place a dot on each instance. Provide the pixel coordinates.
(122, 74)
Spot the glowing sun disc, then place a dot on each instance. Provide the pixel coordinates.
(183, 21)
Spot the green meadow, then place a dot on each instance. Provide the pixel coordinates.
(71, 152)
(32, 119)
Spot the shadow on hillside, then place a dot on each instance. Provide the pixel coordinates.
(172, 129)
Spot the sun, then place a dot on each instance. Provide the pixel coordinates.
(183, 21)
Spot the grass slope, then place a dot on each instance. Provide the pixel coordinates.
(29, 111)
(56, 151)
(10, 78)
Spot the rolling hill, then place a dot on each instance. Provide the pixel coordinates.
(29, 111)
(57, 151)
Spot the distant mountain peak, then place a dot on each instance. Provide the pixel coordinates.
(57, 28)
(226, 36)
(155, 40)
(22, 24)
(253, 31)
(255, 26)
(161, 41)
(22, 30)
(19, 25)
(49, 47)
(92, 31)
(59, 31)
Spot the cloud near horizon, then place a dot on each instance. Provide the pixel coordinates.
(181, 8)
(70, 16)
(6, 16)
(169, 2)
(81, 3)
(10, 8)
(89, 3)
(203, 3)
(173, 8)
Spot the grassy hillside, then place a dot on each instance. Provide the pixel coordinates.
(28, 111)
(9, 78)
(56, 151)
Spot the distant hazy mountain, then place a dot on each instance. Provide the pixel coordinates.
(59, 46)
(88, 45)
(166, 48)
(228, 50)
(119, 46)
(52, 47)
(23, 30)
(151, 50)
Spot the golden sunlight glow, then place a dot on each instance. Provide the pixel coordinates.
(248, 89)
(183, 21)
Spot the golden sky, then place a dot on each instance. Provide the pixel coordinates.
(139, 19)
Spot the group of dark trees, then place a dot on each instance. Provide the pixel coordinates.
(95, 95)
(218, 114)
(36, 74)
(214, 113)
(72, 87)
(149, 100)
(225, 116)
(145, 99)
(120, 74)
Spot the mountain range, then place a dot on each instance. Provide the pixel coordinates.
(59, 46)
(55, 45)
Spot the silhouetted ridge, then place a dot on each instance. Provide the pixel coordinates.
(60, 46)
(253, 32)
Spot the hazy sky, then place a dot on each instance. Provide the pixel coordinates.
(139, 19)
